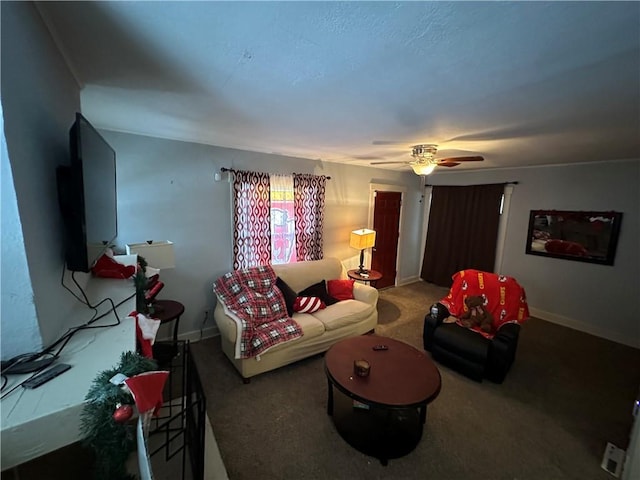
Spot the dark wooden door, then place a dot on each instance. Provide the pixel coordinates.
(386, 223)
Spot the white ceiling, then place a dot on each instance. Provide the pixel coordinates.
(520, 83)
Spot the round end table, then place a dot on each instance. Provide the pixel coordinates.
(167, 311)
(372, 276)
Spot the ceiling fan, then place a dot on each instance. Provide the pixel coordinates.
(424, 161)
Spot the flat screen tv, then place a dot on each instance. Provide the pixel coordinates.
(87, 196)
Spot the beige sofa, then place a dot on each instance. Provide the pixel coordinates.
(321, 329)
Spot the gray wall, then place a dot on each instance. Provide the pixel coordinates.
(599, 299)
(167, 191)
(39, 99)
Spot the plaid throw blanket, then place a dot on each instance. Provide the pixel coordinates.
(258, 307)
(504, 297)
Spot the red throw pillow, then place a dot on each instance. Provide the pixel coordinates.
(341, 289)
(308, 304)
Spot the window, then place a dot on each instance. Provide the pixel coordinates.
(277, 218)
(283, 224)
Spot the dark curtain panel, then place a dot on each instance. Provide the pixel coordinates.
(462, 232)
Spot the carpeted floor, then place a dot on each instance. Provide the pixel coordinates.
(566, 396)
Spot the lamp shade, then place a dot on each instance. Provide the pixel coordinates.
(158, 254)
(423, 168)
(363, 238)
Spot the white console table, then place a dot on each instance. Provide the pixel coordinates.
(39, 421)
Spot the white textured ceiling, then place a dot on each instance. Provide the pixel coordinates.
(520, 83)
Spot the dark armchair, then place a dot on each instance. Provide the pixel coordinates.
(471, 351)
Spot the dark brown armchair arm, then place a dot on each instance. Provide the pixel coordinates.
(502, 352)
(432, 320)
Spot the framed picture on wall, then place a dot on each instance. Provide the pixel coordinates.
(574, 235)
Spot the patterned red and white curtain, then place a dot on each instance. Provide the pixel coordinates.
(251, 220)
(309, 192)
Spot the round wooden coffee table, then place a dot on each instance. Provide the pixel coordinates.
(382, 414)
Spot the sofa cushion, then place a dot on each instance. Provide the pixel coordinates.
(344, 313)
(318, 290)
(310, 326)
(308, 304)
(288, 293)
(340, 289)
(299, 275)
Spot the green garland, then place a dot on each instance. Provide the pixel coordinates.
(112, 442)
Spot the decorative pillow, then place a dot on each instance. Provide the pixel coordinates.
(308, 304)
(341, 289)
(318, 290)
(288, 293)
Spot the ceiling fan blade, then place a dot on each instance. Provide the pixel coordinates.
(448, 164)
(388, 163)
(367, 157)
(461, 159)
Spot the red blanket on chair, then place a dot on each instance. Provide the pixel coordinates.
(504, 297)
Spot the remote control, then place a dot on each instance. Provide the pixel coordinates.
(380, 347)
(47, 375)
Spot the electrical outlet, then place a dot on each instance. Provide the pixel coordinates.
(613, 459)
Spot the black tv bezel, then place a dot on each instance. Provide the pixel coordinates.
(71, 198)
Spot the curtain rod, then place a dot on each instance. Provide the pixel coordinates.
(503, 183)
(225, 169)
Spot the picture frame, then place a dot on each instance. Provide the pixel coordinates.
(583, 236)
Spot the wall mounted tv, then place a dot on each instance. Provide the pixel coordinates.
(87, 196)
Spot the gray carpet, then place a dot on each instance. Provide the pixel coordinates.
(566, 396)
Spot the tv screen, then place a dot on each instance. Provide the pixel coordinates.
(87, 196)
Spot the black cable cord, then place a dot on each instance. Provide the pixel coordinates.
(64, 339)
(64, 269)
(21, 383)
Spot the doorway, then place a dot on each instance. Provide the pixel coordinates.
(386, 223)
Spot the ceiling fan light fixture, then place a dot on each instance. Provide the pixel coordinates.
(423, 168)
(424, 153)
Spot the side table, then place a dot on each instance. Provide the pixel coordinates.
(372, 276)
(167, 311)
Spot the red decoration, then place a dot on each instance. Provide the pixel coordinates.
(122, 413)
(107, 267)
(146, 389)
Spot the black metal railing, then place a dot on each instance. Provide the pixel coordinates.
(179, 429)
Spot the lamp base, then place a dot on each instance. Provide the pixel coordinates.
(361, 268)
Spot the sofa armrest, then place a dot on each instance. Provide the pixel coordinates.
(365, 293)
(225, 323)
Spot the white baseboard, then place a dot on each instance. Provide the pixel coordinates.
(196, 335)
(407, 281)
(214, 468)
(583, 327)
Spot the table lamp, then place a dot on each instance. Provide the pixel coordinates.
(158, 253)
(361, 239)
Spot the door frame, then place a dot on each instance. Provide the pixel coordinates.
(384, 187)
